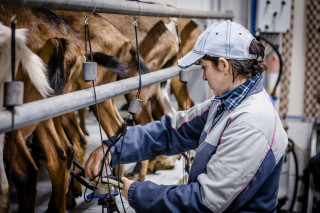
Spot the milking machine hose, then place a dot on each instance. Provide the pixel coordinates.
(292, 149)
(259, 37)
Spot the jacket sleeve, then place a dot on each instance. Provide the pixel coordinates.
(150, 197)
(168, 136)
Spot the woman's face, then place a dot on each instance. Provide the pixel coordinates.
(216, 81)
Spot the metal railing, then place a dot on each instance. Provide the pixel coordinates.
(41, 110)
(38, 111)
(119, 7)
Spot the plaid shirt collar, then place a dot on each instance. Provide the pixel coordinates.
(233, 98)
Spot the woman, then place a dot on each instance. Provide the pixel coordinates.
(238, 135)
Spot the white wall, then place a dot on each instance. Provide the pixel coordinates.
(189, 4)
(298, 60)
(240, 8)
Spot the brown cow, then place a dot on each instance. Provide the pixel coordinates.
(189, 31)
(32, 68)
(25, 171)
(114, 44)
(75, 82)
(99, 27)
(105, 43)
(53, 138)
(156, 46)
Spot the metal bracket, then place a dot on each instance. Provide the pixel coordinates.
(184, 76)
(89, 71)
(13, 94)
(135, 105)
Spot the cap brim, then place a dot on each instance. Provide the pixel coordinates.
(189, 59)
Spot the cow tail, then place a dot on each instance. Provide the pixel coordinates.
(112, 63)
(34, 66)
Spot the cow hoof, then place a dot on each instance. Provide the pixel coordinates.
(86, 132)
(134, 176)
(71, 204)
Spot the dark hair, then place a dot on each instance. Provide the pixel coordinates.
(246, 68)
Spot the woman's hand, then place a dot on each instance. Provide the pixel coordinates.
(94, 161)
(126, 185)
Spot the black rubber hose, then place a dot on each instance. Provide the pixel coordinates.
(292, 149)
(280, 61)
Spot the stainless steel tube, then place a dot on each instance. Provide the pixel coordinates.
(51, 107)
(119, 7)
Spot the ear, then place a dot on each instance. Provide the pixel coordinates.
(223, 65)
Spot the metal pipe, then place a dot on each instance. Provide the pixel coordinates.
(119, 7)
(37, 111)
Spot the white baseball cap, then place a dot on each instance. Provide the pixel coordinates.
(225, 39)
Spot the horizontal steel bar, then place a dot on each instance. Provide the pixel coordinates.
(41, 110)
(119, 7)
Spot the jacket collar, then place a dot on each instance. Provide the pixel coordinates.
(251, 86)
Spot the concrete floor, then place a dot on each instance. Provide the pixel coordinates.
(44, 184)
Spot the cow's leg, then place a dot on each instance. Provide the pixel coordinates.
(63, 144)
(79, 143)
(82, 118)
(47, 138)
(158, 110)
(25, 174)
(144, 169)
(109, 119)
(24, 171)
(111, 122)
(162, 105)
(179, 90)
(4, 185)
(156, 164)
(116, 112)
(27, 193)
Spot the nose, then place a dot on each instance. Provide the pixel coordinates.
(204, 77)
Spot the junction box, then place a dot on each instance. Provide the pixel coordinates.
(273, 16)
